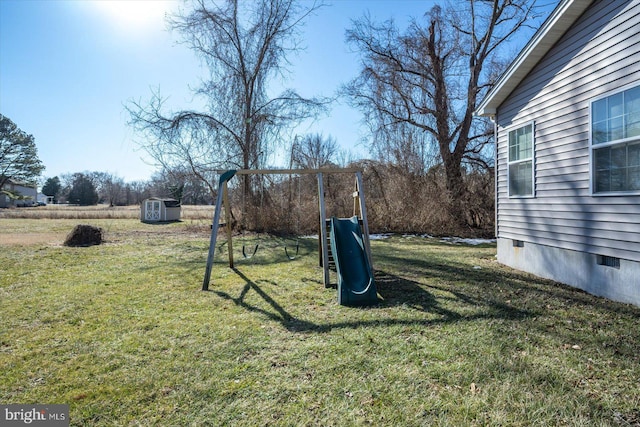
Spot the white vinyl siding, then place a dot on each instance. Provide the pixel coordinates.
(615, 142)
(597, 57)
(521, 166)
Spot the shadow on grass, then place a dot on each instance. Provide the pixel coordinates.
(398, 291)
(560, 311)
(494, 286)
(279, 314)
(395, 291)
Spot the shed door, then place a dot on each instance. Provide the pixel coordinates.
(152, 210)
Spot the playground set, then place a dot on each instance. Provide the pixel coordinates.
(343, 242)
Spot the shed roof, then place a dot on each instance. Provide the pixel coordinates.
(560, 20)
(168, 202)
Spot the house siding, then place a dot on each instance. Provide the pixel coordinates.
(23, 190)
(600, 53)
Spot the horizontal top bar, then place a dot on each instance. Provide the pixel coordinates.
(292, 171)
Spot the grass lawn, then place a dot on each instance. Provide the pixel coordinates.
(123, 334)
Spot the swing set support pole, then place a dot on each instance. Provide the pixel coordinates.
(214, 226)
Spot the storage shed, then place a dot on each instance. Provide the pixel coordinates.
(157, 209)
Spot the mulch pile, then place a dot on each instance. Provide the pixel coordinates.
(84, 235)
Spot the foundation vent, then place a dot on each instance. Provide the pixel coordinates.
(608, 261)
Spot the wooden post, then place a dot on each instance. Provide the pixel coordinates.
(323, 232)
(356, 200)
(227, 214)
(319, 244)
(292, 171)
(363, 213)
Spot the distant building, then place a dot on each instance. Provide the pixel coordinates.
(28, 194)
(156, 209)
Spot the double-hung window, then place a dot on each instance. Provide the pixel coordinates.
(521, 164)
(615, 142)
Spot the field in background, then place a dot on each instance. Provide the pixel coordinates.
(189, 212)
(123, 334)
(57, 220)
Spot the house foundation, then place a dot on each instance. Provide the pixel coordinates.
(613, 278)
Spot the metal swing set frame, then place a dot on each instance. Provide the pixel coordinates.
(222, 203)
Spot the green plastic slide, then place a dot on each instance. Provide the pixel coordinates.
(355, 277)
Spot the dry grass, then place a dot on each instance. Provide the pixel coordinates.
(189, 212)
(194, 218)
(28, 239)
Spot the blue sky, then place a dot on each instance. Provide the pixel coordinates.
(67, 68)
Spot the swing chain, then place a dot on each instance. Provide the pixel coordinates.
(245, 253)
(291, 258)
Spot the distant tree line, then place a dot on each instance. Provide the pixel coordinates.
(90, 188)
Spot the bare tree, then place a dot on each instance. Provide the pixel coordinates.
(314, 151)
(420, 89)
(136, 192)
(181, 184)
(114, 190)
(110, 187)
(244, 46)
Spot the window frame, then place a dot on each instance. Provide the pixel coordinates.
(622, 142)
(532, 159)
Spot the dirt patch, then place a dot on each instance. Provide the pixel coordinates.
(28, 239)
(26, 235)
